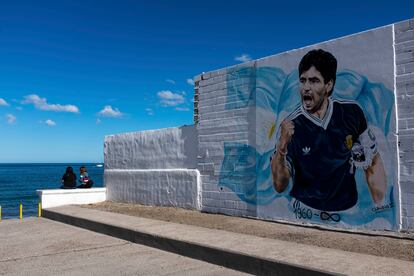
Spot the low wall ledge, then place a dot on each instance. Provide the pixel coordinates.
(59, 197)
(69, 191)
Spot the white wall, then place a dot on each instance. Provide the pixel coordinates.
(59, 197)
(169, 148)
(153, 167)
(404, 60)
(172, 187)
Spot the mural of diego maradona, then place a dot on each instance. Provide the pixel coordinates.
(323, 141)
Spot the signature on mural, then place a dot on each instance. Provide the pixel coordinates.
(383, 207)
(306, 213)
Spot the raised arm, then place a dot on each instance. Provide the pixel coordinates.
(374, 171)
(376, 179)
(280, 169)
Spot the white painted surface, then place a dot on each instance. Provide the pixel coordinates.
(169, 148)
(154, 167)
(60, 197)
(159, 187)
(404, 76)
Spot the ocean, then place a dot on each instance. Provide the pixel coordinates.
(19, 182)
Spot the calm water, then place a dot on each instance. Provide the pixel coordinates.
(19, 182)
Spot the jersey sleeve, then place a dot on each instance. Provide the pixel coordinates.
(365, 148)
(361, 121)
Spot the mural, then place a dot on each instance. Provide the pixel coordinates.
(323, 144)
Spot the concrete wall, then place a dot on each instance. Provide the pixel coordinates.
(223, 166)
(225, 117)
(59, 197)
(154, 167)
(172, 187)
(169, 148)
(239, 112)
(404, 60)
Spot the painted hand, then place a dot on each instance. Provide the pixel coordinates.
(287, 130)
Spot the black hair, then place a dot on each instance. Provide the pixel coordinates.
(69, 170)
(323, 61)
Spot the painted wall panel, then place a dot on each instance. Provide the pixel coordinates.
(350, 167)
(269, 90)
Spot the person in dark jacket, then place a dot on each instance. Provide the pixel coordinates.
(69, 179)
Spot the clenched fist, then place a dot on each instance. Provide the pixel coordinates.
(287, 130)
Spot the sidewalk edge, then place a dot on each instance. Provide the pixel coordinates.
(218, 256)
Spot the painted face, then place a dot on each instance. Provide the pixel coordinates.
(313, 90)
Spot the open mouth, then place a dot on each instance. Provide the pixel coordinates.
(307, 100)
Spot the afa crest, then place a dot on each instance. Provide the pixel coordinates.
(348, 141)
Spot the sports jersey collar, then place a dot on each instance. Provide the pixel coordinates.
(320, 122)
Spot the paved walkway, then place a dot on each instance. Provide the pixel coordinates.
(39, 246)
(388, 244)
(238, 251)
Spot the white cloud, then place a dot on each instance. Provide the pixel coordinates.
(98, 121)
(149, 111)
(182, 109)
(170, 81)
(50, 122)
(41, 104)
(108, 111)
(190, 81)
(11, 119)
(168, 98)
(3, 102)
(243, 58)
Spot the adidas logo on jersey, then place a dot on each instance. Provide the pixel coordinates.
(306, 150)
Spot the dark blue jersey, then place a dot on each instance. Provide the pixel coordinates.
(319, 156)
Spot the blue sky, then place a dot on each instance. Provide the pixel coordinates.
(72, 72)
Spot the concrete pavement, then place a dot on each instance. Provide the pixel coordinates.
(242, 252)
(38, 246)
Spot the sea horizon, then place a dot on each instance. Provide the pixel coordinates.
(19, 182)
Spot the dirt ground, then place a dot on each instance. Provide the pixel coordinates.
(401, 247)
